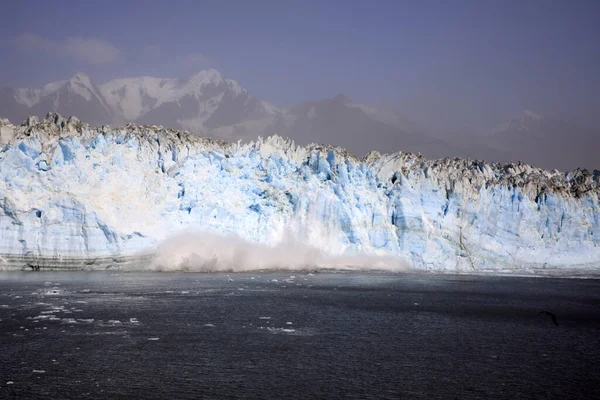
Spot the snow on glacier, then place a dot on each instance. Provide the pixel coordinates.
(93, 197)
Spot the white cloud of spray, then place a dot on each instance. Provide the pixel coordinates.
(209, 252)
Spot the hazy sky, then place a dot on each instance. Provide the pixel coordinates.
(461, 63)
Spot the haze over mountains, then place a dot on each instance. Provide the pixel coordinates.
(209, 104)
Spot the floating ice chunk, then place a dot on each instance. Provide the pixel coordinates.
(280, 330)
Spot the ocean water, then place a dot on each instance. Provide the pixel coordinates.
(297, 335)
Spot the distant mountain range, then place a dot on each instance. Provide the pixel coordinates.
(209, 104)
(200, 103)
(547, 142)
(77, 96)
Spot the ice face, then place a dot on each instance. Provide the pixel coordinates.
(69, 192)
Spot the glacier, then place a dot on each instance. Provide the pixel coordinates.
(77, 197)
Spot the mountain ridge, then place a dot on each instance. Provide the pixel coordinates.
(547, 142)
(207, 103)
(210, 104)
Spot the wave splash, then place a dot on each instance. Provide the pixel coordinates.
(210, 252)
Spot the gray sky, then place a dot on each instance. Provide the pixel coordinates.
(446, 63)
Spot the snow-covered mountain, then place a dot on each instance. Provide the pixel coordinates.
(547, 142)
(75, 96)
(211, 105)
(76, 197)
(202, 103)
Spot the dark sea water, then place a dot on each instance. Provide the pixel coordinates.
(327, 335)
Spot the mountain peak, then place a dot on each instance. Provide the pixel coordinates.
(80, 76)
(206, 77)
(524, 122)
(342, 98)
(81, 79)
(81, 84)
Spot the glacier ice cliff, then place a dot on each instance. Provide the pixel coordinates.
(80, 197)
